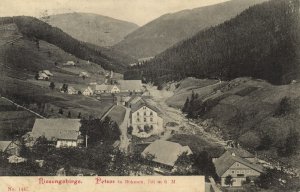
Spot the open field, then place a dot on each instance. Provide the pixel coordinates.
(14, 121)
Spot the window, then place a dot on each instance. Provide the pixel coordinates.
(240, 175)
(145, 120)
(242, 171)
(138, 113)
(232, 172)
(151, 119)
(138, 120)
(151, 113)
(237, 164)
(238, 172)
(145, 113)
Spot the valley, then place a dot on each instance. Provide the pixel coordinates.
(212, 91)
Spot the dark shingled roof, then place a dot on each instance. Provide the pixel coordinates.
(224, 162)
(241, 152)
(65, 129)
(141, 103)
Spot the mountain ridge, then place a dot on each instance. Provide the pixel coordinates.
(167, 30)
(261, 42)
(94, 28)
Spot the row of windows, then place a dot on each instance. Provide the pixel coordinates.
(145, 119)
(241, 171)
(151, 113)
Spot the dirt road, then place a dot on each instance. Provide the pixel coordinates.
(171, 114)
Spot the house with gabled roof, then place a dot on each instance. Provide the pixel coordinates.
(63, 132)
(72, 91)
(104, 88)
(130, 86)
(165, 153)
(229, 164)
(145, 119)
(10, 147)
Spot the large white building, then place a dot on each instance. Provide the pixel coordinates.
(145, 119)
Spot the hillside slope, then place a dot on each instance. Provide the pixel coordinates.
(36, 30)
(248, 111)
(92, 28)
(262, 42)
(167, 30)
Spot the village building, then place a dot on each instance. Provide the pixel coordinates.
(10, 147)
(43, 76)
(16, 159)
(86, 91)
(47, 72)
(165, 153)
(145, 119)
(63, 132)
(84, 74)
(130, 86)
(229, 164)
(72, 91)
(69, 63)
(104, 88)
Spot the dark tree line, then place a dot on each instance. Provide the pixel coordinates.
(261, 42)
(37, 30)
(98, 130)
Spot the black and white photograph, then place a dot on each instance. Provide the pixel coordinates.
(159, 88)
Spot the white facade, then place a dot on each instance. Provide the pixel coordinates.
(66, 143)
(239, 172)
(114, 89)
(88, 92)
(146, 117)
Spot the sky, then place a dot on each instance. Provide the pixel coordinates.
(136, 11)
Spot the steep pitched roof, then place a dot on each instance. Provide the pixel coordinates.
(141, 103)
(130, 84)
(4, 145)
(241, 152)
(224, 162)
(65, 129)
(166, 152)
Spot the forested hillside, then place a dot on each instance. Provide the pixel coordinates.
(167, 30)
(261, 42)
(92, 28)
(36, 30)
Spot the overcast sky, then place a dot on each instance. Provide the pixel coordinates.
(137, 11)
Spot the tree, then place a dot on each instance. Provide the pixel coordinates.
(291, 144)
(184, 165)
(69, 114)
(265, 143)
(98, 130)
(64, 88)
(204, 165)
(36, 76)
(129, 130)
(52, 85)
(284, 107)
(229, 180)
(79, 115)
(271, 179)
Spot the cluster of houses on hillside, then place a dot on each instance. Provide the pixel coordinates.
(122, 86)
